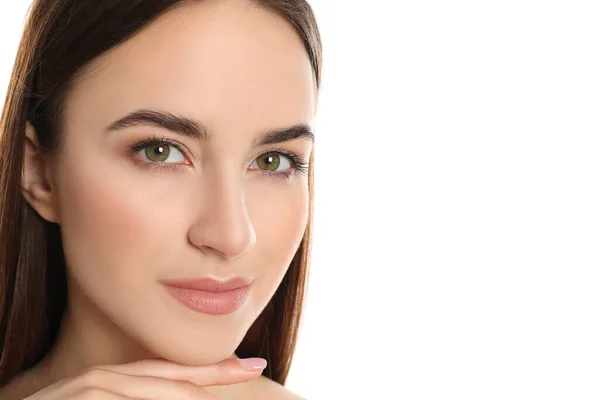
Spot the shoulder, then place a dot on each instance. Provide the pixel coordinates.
(270, 390)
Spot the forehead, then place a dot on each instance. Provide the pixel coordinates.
(223, 62)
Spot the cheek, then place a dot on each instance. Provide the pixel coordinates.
(280, 226)
(114, 229)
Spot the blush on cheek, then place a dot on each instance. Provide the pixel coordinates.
(114, 203)
(109, 226)
(95, 211)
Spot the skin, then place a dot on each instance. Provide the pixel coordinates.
(239, 71)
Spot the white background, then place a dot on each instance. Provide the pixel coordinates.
(457, 236)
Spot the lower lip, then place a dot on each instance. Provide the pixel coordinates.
(206, 302)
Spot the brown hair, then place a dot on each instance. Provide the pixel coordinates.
(59, 39)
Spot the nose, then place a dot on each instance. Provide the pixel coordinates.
(224, 226)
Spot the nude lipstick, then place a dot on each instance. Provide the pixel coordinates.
(209, 296)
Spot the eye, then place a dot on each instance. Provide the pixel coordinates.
(271, 161)
(162, 153)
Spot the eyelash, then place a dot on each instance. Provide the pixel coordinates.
(298, 166)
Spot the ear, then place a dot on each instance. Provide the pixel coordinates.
(36, 184)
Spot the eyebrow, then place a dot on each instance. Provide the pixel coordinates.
(195, 129)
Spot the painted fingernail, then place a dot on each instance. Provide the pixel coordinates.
(252, 364)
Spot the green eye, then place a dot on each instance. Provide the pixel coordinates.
(159, 152)
(280, 163)
(268, 161)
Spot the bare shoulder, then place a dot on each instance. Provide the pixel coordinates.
(270, 390)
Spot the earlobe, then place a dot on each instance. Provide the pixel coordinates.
(35, 184)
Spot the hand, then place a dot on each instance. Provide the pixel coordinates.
(151, 380)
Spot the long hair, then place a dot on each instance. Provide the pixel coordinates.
(59, 39)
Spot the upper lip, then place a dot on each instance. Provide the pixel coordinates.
(209, 284)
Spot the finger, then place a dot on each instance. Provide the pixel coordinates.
(226, 372)
(69, 389)
(100, 382)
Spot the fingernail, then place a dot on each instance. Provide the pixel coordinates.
(252, 364)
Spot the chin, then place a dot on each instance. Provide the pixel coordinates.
(203, 356)
(177, 334)
(206, 347)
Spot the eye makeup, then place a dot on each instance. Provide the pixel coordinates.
(138, 151)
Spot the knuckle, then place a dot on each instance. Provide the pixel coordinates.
(92, 377)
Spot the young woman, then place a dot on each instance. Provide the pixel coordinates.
(156, 198)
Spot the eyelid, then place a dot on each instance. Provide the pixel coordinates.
(290, 155)
(140, 145)
(297, 163)
(135, 148)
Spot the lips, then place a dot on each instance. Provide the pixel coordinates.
(210, 296)
(209, 284)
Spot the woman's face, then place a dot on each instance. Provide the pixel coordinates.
(134, 213)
